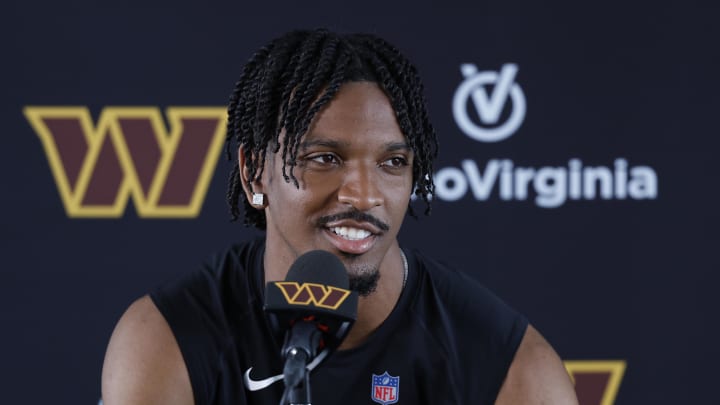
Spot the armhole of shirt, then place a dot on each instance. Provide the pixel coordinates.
(511, 346)
(184, 315)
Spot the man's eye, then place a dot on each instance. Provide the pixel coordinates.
(396, 161)
(324, 159)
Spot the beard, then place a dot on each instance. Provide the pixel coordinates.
(364, 279)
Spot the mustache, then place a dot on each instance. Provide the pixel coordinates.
(356, 216)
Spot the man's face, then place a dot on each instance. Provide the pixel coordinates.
(354, 170)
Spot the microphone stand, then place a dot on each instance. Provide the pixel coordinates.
(300, 348)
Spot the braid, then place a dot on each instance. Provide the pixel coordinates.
(285, 84)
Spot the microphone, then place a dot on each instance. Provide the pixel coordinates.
(315, 310)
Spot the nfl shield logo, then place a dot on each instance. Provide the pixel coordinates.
(385, 388)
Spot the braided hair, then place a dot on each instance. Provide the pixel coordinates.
(286, 83)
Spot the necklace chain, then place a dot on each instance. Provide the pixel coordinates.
(405, 268)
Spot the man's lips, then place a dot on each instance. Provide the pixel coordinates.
(351, 240)
(353, 231)
(350, 233)
(354, 219)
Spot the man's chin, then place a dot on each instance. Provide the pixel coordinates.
(364, 281)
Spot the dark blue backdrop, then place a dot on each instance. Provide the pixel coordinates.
(630, 279)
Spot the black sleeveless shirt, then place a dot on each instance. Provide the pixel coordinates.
(447, 341)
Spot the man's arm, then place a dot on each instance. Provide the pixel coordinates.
(143, 363)
(536, 376)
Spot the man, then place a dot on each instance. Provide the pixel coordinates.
(333, 139)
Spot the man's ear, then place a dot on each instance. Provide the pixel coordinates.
(249, 187)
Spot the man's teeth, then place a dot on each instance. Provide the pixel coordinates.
(350, 233)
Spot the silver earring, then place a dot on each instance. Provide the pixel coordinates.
(258, 199)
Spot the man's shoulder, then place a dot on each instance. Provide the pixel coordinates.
(143, 363)
(536, 375)
(524, 362)
(440, 274)
(458, 289)
(180, 330)
(236, 266)
(465, 307)
(241, 256)
(226, 283)
(476, 329)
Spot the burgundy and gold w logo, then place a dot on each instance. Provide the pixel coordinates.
(596, 381)
(130, 154)
(320, 295)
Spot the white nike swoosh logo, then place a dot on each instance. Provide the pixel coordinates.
(256, 385)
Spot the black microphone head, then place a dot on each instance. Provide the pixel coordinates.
(316, 289)
(321, 267)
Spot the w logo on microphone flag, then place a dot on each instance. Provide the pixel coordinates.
(385, 388)
(319, 295)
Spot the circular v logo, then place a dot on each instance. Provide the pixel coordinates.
(489, 106)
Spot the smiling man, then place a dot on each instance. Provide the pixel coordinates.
(332, 139)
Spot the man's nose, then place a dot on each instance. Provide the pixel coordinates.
(361, 187)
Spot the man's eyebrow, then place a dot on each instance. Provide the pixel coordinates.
(396, 146)
(333, 144)
(328, 143)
